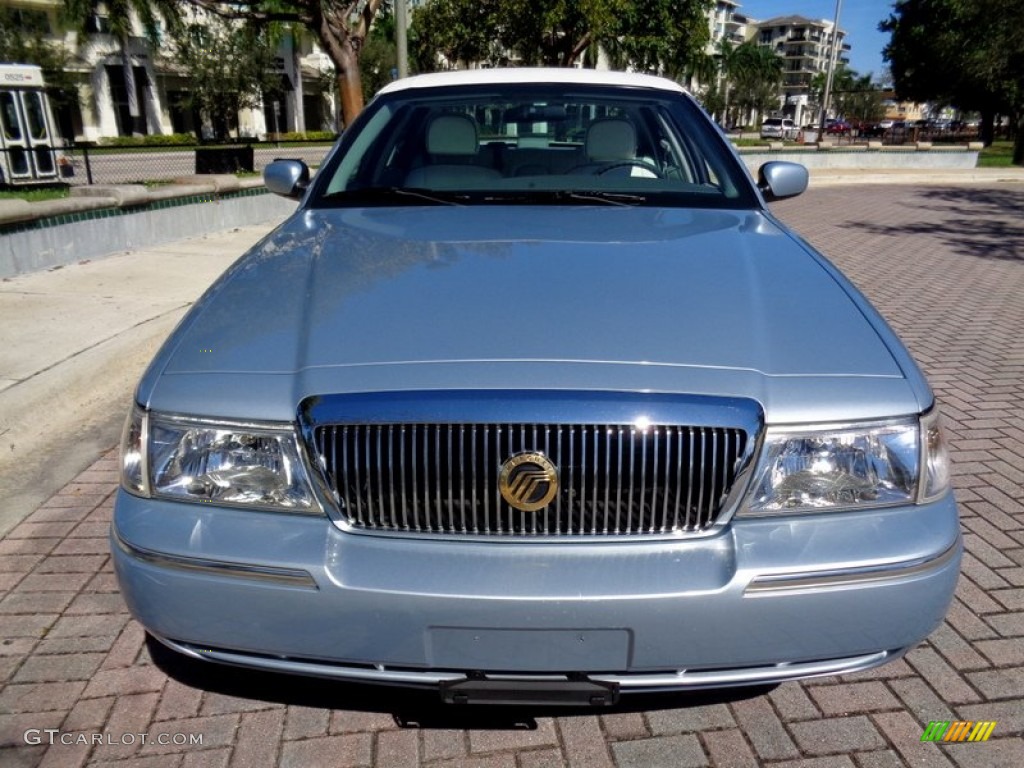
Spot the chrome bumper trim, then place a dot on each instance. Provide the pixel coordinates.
(771, 673)
(680, 680)
(850, 577)
(288, 577)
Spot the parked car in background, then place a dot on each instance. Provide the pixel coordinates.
(837, 127)
(869, 129)
(533, 399)
(778, 128)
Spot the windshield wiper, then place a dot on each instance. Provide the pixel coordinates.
(444, 197)
(612, 198)
(384, 194)
(565, 195)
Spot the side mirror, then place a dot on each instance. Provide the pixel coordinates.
(778, 180)
(288, 178)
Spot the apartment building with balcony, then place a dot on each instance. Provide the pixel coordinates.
(102, 109)
(806, 47)
(726, 22)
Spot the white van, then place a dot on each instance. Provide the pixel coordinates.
(778, 128)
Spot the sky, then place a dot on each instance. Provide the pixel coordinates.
(858, 18)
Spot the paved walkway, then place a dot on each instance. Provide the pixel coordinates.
(75, 342)
(946, 267)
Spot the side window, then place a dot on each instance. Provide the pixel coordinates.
(35, 115)
(9, 116)
(349, 165)
(674, 158)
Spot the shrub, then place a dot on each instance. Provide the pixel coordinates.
(156, 140)
(307, 136)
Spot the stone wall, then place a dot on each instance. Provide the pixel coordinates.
(100, 220)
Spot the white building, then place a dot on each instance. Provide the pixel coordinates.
(161, 85)
(804, 45)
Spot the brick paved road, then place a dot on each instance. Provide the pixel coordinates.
(946, 266)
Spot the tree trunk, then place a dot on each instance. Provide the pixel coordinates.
(1018, 142)
(342, 48)
(987, 129)
(350, 89)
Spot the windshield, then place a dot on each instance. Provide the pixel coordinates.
(547, 144)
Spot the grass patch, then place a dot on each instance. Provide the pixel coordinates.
(35, 195)
(998, 155)
(763, 142)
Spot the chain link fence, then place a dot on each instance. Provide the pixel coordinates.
(84, 163)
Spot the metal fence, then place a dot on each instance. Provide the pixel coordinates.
(82, 163)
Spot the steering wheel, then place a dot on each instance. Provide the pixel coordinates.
(637, 163)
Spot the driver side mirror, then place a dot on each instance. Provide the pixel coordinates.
(288, 178)
(778, 180)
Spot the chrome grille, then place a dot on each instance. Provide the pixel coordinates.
(613, 479)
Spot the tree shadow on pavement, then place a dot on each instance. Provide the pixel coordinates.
(409, 707)
(985, 223)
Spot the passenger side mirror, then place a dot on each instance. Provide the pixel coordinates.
(288, 178)
(778, 180)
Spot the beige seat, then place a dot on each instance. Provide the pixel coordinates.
(611, 141)
(453, 147)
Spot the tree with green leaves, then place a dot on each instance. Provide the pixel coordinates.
(854, 96)
(747, 78)
(756, 74)
(340, 26)
(459, 31)
(152, 15)
(966, 53)
(378, 60)
(648, 35)
(230, 66)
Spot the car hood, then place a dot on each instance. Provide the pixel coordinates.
(636, 299)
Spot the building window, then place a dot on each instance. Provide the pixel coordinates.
(29, 21)
(119, 97)
(99, 23)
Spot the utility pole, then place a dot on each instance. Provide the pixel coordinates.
(401, 39)
(831, 68)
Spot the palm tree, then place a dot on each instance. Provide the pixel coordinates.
(757, 77)
(151, 15)
(725, 56)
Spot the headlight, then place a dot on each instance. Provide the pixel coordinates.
(133, 453)
(849, 467)
(191, 460)
(936, 458)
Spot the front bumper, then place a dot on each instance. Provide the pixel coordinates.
(764, 601)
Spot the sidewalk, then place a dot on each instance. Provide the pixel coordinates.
(75, 342)
(832, 177)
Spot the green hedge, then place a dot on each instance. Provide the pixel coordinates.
(187, 139)
(157, 140)
(299, 136)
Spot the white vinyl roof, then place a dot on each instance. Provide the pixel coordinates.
(527, 75)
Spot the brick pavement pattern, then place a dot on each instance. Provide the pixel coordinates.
(946, 267)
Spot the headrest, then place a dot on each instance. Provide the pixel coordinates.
(452, 135)
(611, 139)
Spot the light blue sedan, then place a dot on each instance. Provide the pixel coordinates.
(533, 399)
